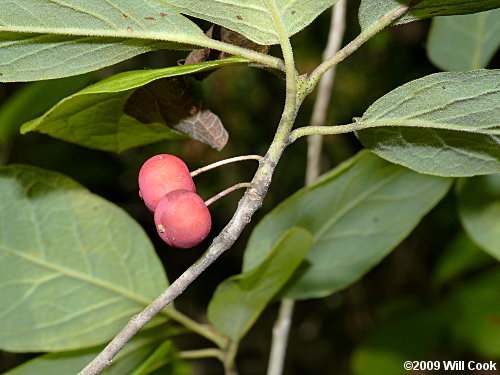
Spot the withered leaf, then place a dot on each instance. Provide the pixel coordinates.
(232, 37)
(172, 102)
(225, 35)
(203, 54)
(206, 127)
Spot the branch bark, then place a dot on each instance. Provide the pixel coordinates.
(281, 330)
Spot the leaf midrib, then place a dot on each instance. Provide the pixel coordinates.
(451, 79)
(356, 202)
(79, 276)
(149, 35)
(404, 122)
(480, 42)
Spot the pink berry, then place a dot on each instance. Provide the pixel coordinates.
(182, 219)
(160, 175)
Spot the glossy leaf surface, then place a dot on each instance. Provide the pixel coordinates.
(98, 117)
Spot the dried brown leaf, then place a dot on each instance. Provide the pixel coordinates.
(232, 37)
(172, 102)
(224, 35)
(206, 127)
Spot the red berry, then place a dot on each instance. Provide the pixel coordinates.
(160, 175)
(182, 219)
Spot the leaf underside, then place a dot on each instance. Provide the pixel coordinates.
(370, 11)
(252, 18)
(46, 39)
(34, 57)
(445, 124)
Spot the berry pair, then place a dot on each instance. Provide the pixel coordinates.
(181, 217)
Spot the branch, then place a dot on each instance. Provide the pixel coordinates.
(286, 47)
(280, 337)
(345, 52)
(229, 359)
(249, 203)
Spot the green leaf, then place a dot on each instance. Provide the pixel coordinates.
(96, 116)
(479, 211)
(461, 43)
(34, 57)
(162, 355)
(370, 11)
(445, 124)
(70, 363)
(462, 256)
(239, 300)
(143, 19)
(33, 100)
(357, 214)
(73, 267)
(252, 18)
(474, 315)
(46, 39)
